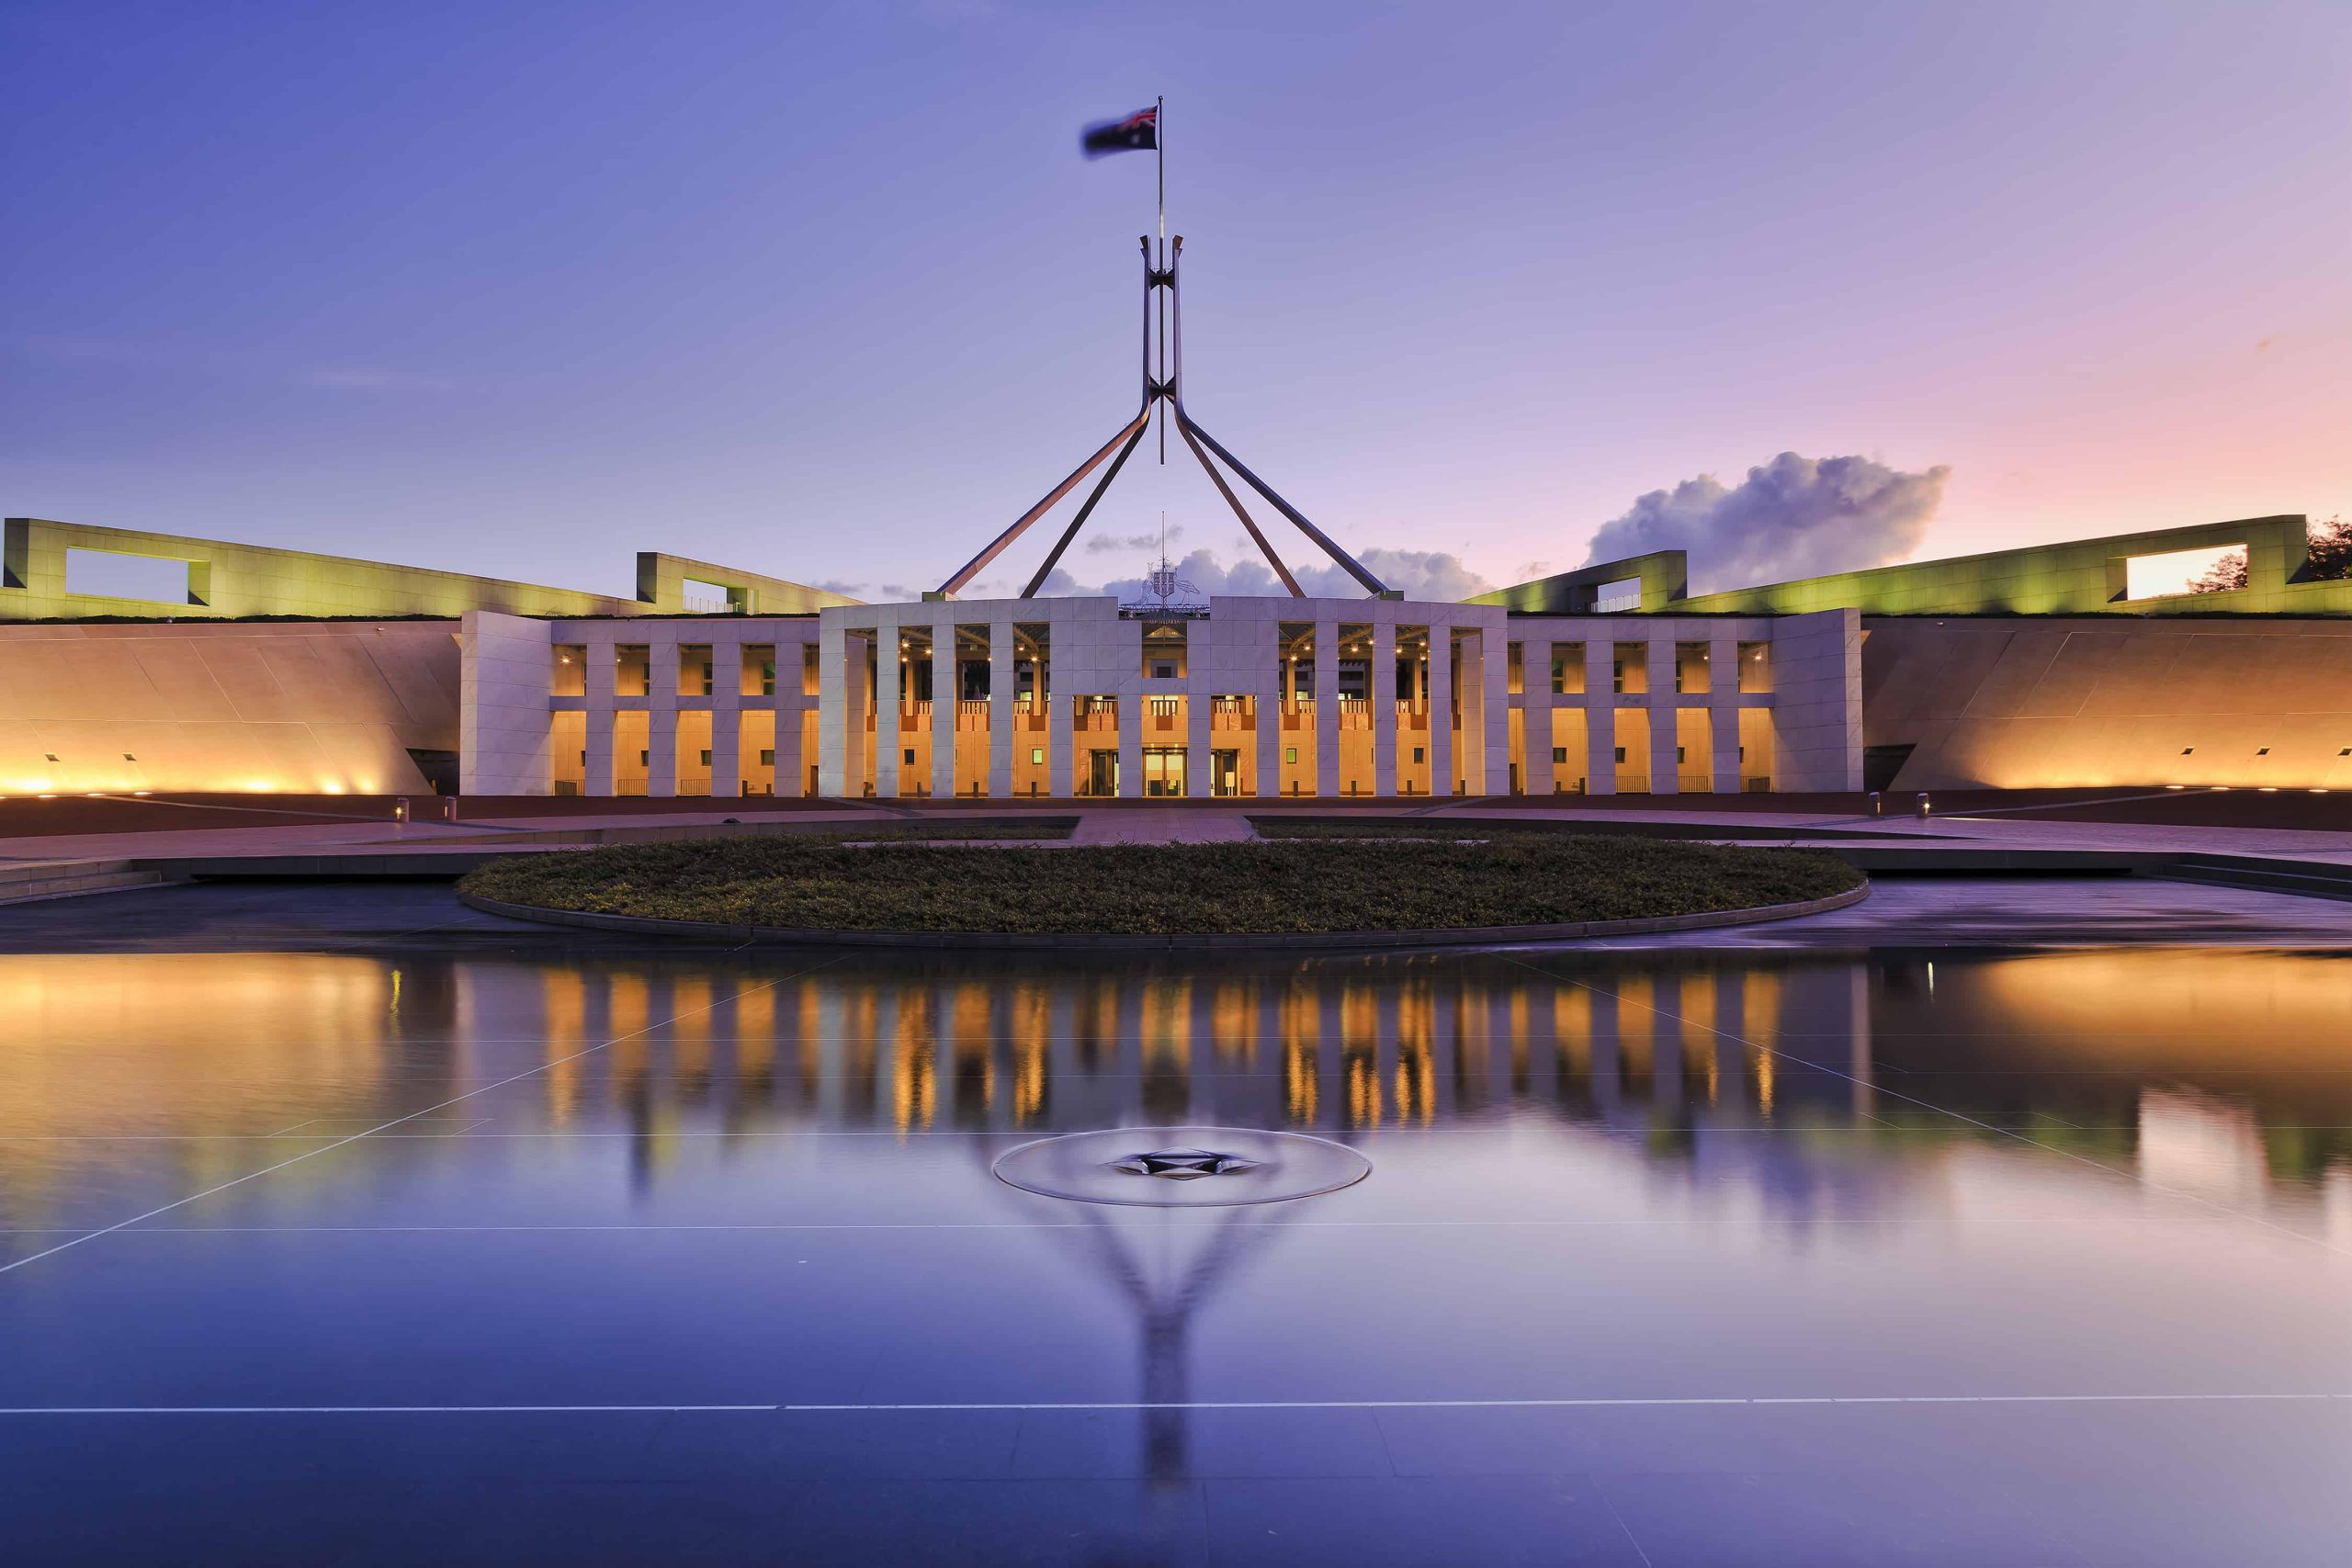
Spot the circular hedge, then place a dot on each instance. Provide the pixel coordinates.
(1286, 886)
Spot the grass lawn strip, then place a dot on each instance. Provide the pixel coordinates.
(1286, 886)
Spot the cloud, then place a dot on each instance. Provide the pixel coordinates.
(1103, 544)
(1418, 574)
(373, 378)
(1793, 517)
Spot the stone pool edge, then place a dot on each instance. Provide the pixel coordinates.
(1127, 941)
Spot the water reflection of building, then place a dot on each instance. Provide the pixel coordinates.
(1676, 1057)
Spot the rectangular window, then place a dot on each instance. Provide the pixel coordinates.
(693, 670)
(1514, 668)
(1559, 754)
(911, 756)
(632, 669)
(756, 673)
(1420, 754)
(1163, 650)
(1754, 666)
(1693, 667)
(1621, 754)
(1289, 753)
(768, 756)
(1036, 756)
(1567, 669)
(567, 676)
(811, 664)
(706, 756)
(1631, 668)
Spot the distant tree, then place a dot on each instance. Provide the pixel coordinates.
(2331, 548)
(2224, 574)
(2329, 554)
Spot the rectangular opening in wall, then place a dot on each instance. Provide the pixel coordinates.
(155, 579)
(693, 670)
(1567, 669)
(1611, 598)
(756, 674)
(632, 669)
(2206, 571)
(1754, 666)
(1630, 668)
(698, 597)
(1693, 667)
(568, 672)
(1163, 651)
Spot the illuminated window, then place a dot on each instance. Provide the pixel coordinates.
(1036, 755)
(1290, 754)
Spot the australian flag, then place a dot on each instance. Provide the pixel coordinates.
(1139, 132)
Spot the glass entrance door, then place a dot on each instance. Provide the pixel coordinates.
(1103, 772)
(1163, 770)
(1225, 772)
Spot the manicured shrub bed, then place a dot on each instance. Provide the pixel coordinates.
(1298, 885)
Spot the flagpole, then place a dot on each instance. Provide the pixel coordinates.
(1160, 158)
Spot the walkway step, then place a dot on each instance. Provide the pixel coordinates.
(65, 879)
(2310, 880)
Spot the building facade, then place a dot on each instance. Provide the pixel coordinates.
(1249, 698)
(269, 671)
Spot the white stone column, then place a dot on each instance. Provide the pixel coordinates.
(1817, 702)
(1199, 705)
(1494, 664)
(1383, 697)
(1061, 743)
(596, 778)
(1440, 708)
(1004, 685)
(887, 742)
(1327, 708)
(1665, 705)
(662, 716)
(837, 726)
(946, 705)
(725, 717)
(1601, 714)
(506, 742)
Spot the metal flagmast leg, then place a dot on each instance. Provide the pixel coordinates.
(1053, 556)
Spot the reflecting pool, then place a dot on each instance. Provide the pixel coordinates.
(1687, 1256)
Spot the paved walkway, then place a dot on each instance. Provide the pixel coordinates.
(1169, 824)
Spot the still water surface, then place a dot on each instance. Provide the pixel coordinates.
(602, 1180)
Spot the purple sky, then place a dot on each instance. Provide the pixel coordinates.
(827, 291)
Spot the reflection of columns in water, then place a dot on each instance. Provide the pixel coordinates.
(1666, 1043)
(1608, 1048)
(1572, 1029)
(1126, 1010)
(1445, 1043)
(1329, 1044)
(1729, 1075)
(1859, 1061)
(563, 1009)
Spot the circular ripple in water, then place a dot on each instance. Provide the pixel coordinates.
(1181, 1168)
